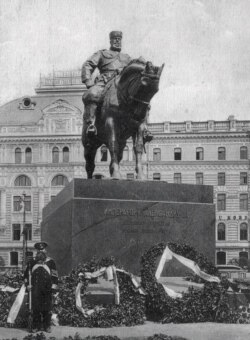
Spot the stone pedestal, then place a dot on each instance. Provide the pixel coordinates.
(124, 218)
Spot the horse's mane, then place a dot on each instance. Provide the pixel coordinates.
(135, 65)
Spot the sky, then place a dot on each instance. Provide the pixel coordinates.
(205, 45)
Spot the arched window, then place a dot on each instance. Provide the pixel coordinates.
(18, 156)
(156, 154)
(221, 153)
(221, 232)
(177, 154)
(65, 154)
(59, 180)
(221, 257)
(243, 232)
(199, 154)
(22, 181)
(55, 155)
(104, 154)
(125, 156)
(243, 152)
(28, 155)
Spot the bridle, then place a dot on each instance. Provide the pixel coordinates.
(143, 74)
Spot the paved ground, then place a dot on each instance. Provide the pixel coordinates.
(201, 331)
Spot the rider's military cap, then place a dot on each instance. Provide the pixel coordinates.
(114, 34)
(40, 245)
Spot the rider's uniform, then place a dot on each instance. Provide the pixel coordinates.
(108, 62)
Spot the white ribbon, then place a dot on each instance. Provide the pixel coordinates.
(168, 255)
(173, 294)
(111, 274)
(16, 305)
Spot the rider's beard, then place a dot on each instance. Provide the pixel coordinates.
(115, 48)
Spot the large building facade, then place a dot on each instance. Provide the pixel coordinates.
(41, 151)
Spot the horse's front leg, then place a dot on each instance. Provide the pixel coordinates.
(113, 149)
(138, 150)
(89, 155)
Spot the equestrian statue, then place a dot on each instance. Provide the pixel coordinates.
(117, 105)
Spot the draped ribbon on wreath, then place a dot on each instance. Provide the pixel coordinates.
(168, 255)
(16, 305)
(111, 275)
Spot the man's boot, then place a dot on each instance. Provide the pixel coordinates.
(147, 136)
(90, 112)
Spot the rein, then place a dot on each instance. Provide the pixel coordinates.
(139, 101)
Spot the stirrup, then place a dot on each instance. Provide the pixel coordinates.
(147, 136)
(91, 130)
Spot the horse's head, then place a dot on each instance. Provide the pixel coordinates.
(138, 83)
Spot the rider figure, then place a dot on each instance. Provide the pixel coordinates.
(109, 63)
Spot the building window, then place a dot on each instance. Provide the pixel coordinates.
(221, 178)
(221, 153)
(16, 232)
(14, 258)
(29, 255)
(130, 176)
(243, 178)
(199, 177)
(199, 154)
(98, 176)
(221, 232)
(28, 156)
(221, 257)
(177, 178)
(157, 155)
(243, 232)
(243, 152)
(156, 176)
(243, 202)
(18, 203)
(52, 197)
(125, 156)
(104, 154)
(221, 202)
(177, 154)
(22, 181)
(65, 154)
(59, 180)
(55, 155)
(243, 254)
(28, 231)
(18, 156)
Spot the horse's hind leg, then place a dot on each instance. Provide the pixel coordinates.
(138, 150)
(113, 149)
(89, 155)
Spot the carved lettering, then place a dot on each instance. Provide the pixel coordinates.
(141, 213)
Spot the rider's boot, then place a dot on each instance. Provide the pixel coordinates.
(147, 136)
(90, 112)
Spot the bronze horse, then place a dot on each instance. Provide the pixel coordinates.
(123, 114)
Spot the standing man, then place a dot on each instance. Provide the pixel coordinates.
(44, 280)
(109, 63)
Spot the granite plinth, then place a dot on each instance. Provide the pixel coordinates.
(124, 218)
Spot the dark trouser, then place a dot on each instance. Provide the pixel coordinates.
(41, 319)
